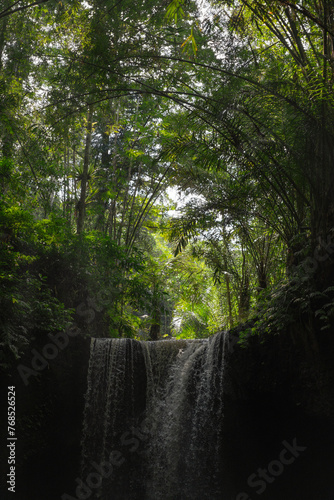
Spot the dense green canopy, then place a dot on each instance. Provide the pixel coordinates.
(104, 105)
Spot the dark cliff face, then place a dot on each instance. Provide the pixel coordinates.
(280, 394)
(293, 366)
(277, 431)
(49, 408)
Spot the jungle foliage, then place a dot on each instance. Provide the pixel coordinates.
(105, 107)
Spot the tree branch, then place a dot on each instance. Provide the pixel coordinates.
(7, 12)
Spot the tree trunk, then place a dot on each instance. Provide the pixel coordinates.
(244, 292)
(154, 331)
(84, 179)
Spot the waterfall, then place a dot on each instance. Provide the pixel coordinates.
(115, 403)
(153, 419)
(184, 448)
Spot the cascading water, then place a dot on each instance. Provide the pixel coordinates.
(153, 419)
(115, 402)
(185, 443)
